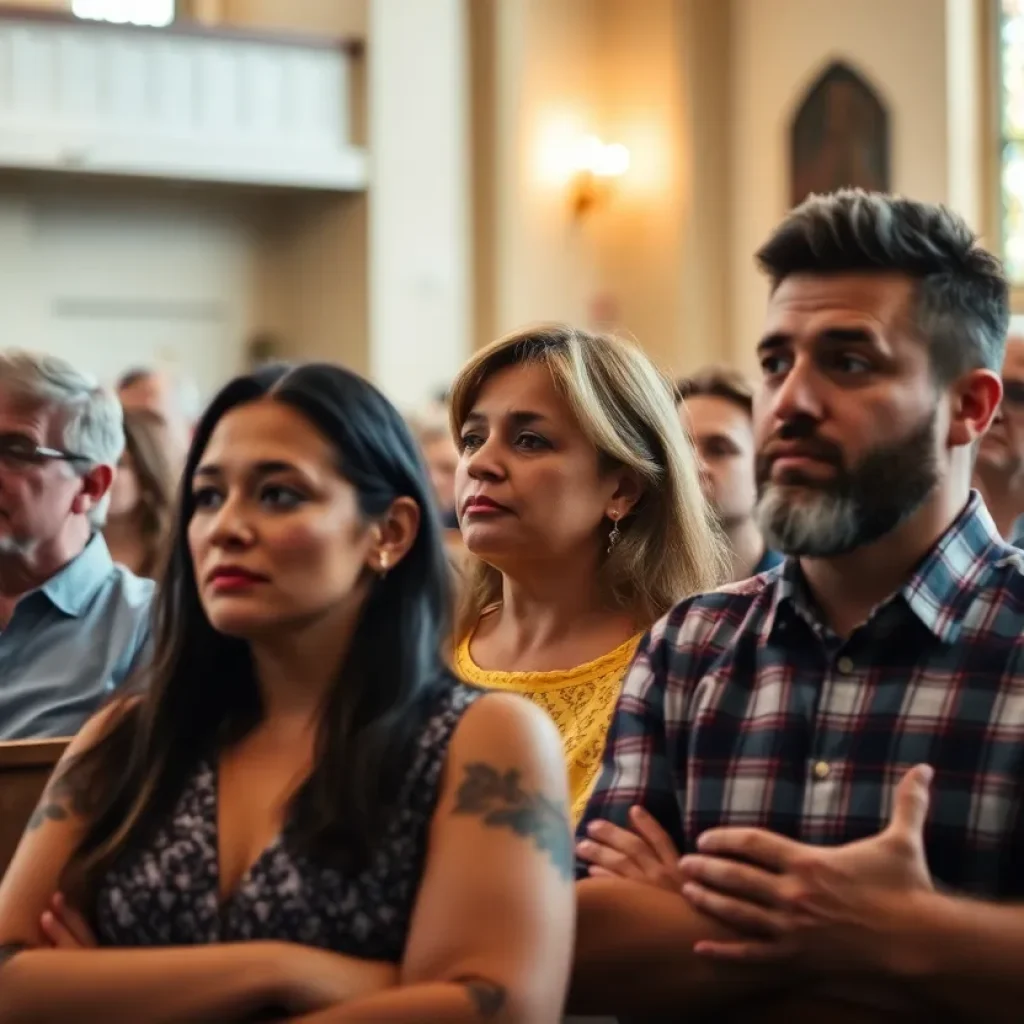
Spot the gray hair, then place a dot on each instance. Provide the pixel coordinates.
(92, 420)
(962, 309)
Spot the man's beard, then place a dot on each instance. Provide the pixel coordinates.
(826, 518)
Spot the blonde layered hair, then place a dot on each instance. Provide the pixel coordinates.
(670, 545)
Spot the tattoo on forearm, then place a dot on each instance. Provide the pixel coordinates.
(488, 996)
(63, 798)
(502, 803)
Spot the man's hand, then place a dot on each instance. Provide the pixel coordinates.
(816, 904)
(646, 854)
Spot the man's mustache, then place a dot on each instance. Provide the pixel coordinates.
(797, 441)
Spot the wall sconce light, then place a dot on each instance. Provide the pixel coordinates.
(597, 165)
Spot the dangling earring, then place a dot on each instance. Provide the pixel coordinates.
(385, 560)
(613, 537)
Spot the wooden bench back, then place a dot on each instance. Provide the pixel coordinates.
(25, 766)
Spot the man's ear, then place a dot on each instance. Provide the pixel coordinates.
(95, 485)
(974, 403)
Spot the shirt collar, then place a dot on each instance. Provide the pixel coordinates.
(941, 588)
(1016, 537)
(72, 588)
(769, 560)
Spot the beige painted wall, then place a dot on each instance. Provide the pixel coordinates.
(311, 278)
(664, 246)
(546, 90)
(546, 74)
(644, 69)
(778, 47)
(114, 274)
(320, 17)
(419, 229)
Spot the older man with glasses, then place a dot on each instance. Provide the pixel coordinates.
(999, 470)
(73, 626)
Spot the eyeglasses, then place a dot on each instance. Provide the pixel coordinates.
(18, 451)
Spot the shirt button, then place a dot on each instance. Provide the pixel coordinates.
(822, 770)
(845, 665)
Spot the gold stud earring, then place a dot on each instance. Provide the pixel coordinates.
(385, 564)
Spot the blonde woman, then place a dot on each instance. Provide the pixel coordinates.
(579, 496)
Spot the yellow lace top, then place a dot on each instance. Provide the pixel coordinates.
(581, 701)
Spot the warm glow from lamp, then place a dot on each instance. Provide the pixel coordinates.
(596, 165)
(602, 159)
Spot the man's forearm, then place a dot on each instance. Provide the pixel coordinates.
(964, 954)
(634, 955)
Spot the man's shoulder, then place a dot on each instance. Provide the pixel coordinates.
(716, 617)
(126, 594)
(993, 600)
(123, 616)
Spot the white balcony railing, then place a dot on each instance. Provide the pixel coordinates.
(86, 97)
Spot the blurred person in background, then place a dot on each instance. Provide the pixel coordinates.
(173, 398)
(303, 811)
(441, 456)
(142, 495)
(72, 624)
(716, 407)
(999, 469)
(580, 498)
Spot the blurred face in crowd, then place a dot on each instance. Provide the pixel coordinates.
(852, 432)
(723, 436)
(1001, 451)
(44, 493)
(530, 485)
(124, 491)
(156, 393)
(276, 534)
(442, 459)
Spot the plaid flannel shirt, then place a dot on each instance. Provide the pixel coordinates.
(743, 708)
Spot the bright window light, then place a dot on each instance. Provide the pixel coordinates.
(125, 12)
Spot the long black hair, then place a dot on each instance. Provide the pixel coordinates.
(200, 693)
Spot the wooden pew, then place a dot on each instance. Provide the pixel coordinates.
(25, 766)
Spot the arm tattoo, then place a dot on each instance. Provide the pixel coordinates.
(64, 797)
(502, 803)
(488, 996)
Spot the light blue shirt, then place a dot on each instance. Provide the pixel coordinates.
(71, 643)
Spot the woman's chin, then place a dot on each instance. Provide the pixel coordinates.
(242, 623)
(497, 548)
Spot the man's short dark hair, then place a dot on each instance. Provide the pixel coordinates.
(962, 309)
(718, 382)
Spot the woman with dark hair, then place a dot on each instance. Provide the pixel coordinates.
(303, 813)
(142, 494)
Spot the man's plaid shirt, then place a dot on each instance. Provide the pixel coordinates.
(742, 708)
